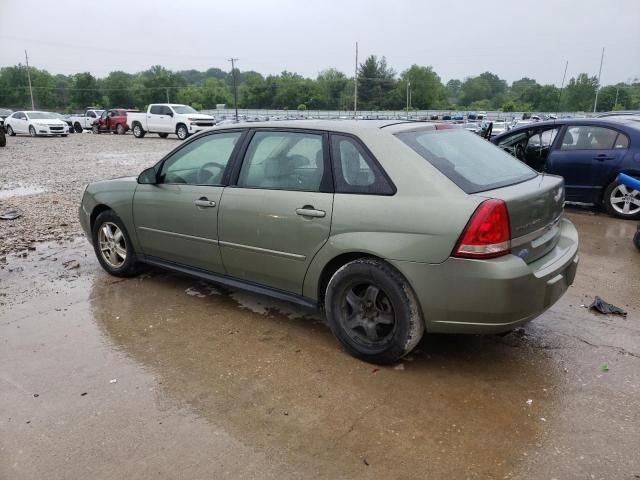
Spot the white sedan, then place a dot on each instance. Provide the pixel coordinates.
(35, 123)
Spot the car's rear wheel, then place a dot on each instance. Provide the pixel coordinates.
(622, 201)
(138, 132)
(32, 131)
(182, 132)
(3, 138)
(373, 311)
(119, 129)
(10, 131)
(112, 245)
(77, 127)
(163, 135)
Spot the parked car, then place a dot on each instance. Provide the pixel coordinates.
(497, 128)
(472, 127)
(4, 113)
(588, 153)
(3, 138)
(114, 120)
(392, 228)
(85, 121)
(169, 118)
(35, 124)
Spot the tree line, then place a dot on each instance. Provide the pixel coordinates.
(379, 88)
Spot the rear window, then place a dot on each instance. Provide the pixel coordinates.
(474, 164)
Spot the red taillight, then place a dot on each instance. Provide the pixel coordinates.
(487, 235)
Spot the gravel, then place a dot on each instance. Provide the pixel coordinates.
(44, 178)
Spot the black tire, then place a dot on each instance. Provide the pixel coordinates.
(95, 130)
(3, 138)
(391, 315)
(128, 267)
(163, 135)
(182, 131)
(10, 131)
(138, 132)
(617, 209)
(636, 239)
(32, 131)
(119, 129)
(77, 127)
(64, 135)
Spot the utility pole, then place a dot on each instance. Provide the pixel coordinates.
(355, 87)
(408, 90)
(167, 90)
(235, 86)
(33, 105)
(562, 86)
(595, 104)
(616, 102)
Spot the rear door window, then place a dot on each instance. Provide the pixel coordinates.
(472, 163)
(156, 110)
(587, 137)
(355, 171)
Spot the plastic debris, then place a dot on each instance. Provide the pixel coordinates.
(113, 380)
(10, 215)
(400, 366)
(529, 402)
(606, 308)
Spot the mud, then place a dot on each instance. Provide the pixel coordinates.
(164, 376)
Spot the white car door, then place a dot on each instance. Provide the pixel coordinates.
(20, 123)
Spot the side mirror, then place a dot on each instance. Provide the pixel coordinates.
(170, 114)
(148, 176)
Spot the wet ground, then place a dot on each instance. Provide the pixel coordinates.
(164, 376)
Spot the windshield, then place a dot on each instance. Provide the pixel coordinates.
(41, 116)
(183, 109)
(472, 163)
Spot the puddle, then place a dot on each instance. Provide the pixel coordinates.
(20, 191)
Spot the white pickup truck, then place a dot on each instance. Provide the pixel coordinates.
(84, 122)
(166, 118)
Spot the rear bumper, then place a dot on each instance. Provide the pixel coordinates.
(492, 296)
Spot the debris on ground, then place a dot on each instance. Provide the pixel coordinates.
(400, 366)
(10, 215)
(529, 402)
(606, 308)
(605, 368)
(113, 380)
(71, 264)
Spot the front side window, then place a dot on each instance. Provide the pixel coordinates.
(167, 110)
(201, 162)
(284, 161)
(91, 115)
(354, 169)
(586, 137)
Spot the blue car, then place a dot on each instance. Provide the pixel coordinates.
(589, 153)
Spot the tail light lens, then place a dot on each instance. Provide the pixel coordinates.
(487, 235)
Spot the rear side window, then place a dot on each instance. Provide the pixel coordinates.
(586, 137)
(156, 110)
(354, 169)
(470, 162)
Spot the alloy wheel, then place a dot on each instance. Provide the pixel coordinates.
(368, 315)
(113, 246)
(625, 200)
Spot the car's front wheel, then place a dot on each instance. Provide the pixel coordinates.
(622, 201)
(77, 127)
(10, 131)
(32, 131)
(182, 132)
(119, 129)
(112, 245)
(95, 129)
(373, 311)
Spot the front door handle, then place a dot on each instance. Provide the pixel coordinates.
(204, 202)
(309, 211)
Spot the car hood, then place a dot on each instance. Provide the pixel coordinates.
(199, 116)
(53, 121)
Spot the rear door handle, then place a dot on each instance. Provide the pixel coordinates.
(204, 202)
(603, 157)
(308, 211)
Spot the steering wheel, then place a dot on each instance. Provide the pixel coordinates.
(520, 152)
(205, 176)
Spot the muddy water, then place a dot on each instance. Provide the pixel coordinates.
(166, 376)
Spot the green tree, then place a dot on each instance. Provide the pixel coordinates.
(580, 93)
(333, 88)
(453, 90)
(84, 91)
(427, 90)
(376, 80)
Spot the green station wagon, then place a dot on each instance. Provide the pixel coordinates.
(393, 229)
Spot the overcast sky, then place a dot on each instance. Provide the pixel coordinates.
(458, 38)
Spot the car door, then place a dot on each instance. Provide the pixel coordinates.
(277, 215)
(176, 219)
(586, 156)
(155, 118)
(19, 123)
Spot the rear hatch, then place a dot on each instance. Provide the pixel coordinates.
(535, 209)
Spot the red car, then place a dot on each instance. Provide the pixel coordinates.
(114, 120)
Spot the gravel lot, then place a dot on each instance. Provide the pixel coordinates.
(59, 169)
